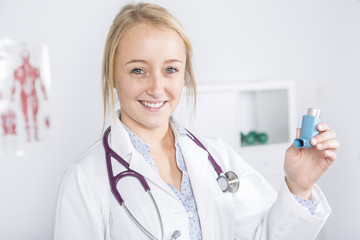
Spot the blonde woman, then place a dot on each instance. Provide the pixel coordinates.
(149, 178)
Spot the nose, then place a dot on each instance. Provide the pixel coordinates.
(155, 86)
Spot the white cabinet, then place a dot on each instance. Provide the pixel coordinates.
(226, 110)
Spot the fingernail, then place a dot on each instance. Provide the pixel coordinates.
(313, 141)
(319, 146)
(320, 127)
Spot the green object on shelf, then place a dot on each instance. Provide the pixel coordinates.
(262, 138)
(250, 138)
(252, 133)
(242, 137)
(253, 137)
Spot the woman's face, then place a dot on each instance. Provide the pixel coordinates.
(149, 74)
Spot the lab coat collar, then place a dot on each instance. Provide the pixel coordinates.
(121, 144)
(177, 128)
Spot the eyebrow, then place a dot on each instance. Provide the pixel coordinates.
(144, 61)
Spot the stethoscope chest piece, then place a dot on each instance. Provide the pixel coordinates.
(228, 182)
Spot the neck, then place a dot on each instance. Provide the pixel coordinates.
(154, 137)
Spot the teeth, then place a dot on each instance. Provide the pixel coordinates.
(153, 105)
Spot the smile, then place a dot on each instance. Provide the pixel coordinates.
(152, 105)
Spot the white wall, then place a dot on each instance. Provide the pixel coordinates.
(314, 43)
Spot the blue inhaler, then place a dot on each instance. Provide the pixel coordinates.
(308, 128)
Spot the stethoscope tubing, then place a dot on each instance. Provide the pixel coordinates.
(140, 225)
(128, 173)
(216, 166)
(109, 153)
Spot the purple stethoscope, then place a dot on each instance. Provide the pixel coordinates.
(228, 182)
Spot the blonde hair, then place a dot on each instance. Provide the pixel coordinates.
(129, 16)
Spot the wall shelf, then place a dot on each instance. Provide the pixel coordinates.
(226, 110)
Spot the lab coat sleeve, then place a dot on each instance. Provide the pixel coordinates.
(261, 214)
(78, 216)
(287, 219)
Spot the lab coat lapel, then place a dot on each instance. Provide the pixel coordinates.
(138, 164)
(121, 144)
(200, 173)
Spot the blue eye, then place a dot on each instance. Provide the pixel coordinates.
(137, 71)
(171, 70)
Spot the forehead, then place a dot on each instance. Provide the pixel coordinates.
(148, 40)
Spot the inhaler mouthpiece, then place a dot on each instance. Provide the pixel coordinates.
(308, 128)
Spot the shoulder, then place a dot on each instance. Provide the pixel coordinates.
(89, 171)
(92, 159)
(83, 198)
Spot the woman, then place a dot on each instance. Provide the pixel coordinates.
(147, 62)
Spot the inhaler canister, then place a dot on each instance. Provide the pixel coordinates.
(308, 128)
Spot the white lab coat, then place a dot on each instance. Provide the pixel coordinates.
(87, 210)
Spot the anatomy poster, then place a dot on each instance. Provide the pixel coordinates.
(24, 95)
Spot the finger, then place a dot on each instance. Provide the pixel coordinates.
(330, 156)
(322, 137)
(328, 145)
(323, 126)
(298, 132)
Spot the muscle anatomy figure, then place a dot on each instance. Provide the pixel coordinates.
(9, 123)
(27, 75)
